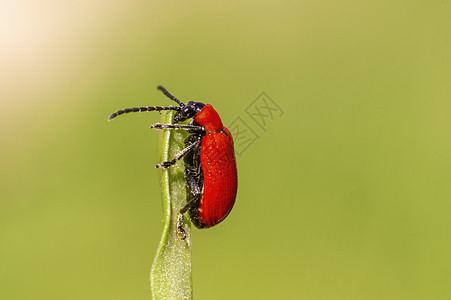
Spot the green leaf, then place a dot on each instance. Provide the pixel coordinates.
(171, 270)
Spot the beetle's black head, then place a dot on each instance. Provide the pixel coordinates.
(188, 111)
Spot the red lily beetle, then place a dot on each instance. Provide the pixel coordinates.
(210, 166)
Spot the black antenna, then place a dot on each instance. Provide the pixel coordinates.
(161, 88)
(142, 109)
(150, 108)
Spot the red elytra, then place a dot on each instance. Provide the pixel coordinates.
(210, 165)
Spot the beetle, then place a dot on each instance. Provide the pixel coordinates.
(209, 157)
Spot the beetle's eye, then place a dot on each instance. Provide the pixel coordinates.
(187, 112)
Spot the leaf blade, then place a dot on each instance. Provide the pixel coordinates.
(171, 270)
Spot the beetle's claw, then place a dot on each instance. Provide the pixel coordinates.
(157, 126)
(164, 164)
(180, 231)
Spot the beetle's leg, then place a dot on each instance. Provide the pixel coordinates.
(187, 206)
(180, 231)
(189, 128)
(183, 210)
(166, 164)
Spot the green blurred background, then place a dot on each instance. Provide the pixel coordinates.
(347, 195)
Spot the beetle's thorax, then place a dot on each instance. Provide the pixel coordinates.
(209, 119)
